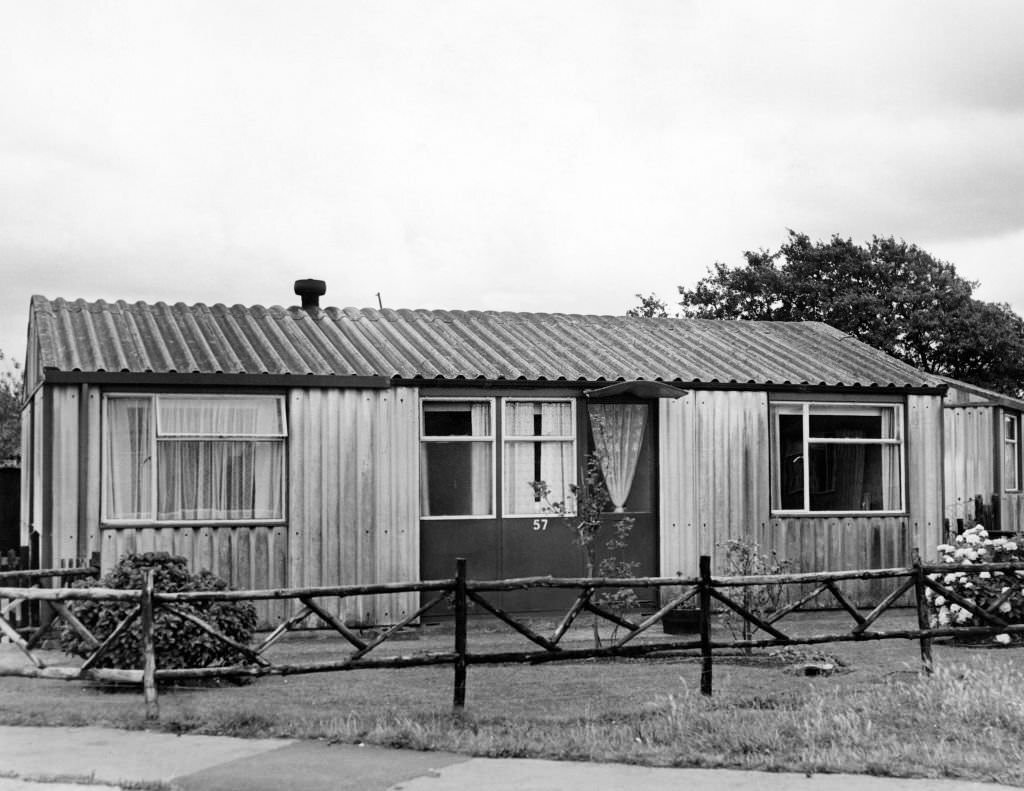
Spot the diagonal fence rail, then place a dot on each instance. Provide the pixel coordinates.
(711, 595)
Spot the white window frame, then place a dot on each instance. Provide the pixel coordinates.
(156, 436)
(506, 439)
(804, 408)
(1014, 443)
(491, 438)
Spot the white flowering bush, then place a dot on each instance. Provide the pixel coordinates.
(999, 592)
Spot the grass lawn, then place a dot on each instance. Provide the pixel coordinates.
(878, 715)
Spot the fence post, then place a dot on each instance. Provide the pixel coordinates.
(922, 614)
(705, 624)
(459, 695)
(148, 649)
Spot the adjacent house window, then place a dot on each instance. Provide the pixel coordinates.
(457, 458)
(1011, 452)
(540, 445)
(178, 458)
(837, 457)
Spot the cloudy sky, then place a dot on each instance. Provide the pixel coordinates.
(543, 156)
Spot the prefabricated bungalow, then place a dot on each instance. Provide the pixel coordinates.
(983, 459)
(312, 445)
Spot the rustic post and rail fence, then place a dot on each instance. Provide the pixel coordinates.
(461, 591)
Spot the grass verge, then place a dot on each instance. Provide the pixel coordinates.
(878, 717)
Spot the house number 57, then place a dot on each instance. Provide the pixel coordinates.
(540, 524)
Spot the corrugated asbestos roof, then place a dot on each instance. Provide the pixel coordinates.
(451, 345)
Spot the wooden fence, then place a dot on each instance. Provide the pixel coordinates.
(705, 591)
(24, 614)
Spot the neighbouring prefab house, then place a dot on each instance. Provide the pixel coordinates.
(303, 446)
(983, 459)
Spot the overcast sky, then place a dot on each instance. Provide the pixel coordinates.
(541, 156)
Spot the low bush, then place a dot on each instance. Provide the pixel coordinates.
(1001, 593)
(178, 642)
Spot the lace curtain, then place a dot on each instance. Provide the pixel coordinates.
(529, 458)
(230, 466)
(618, 435)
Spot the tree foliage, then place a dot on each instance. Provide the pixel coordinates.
(10, 412)
(888, 293)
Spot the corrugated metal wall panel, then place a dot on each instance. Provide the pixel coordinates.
(714, 477)
(924, 473)
(679, 541)
(1012, 517)
(968, 459)
(38, 454)
(245, 557)
(65, 461)
(837, 544)
(353, 494)
(89, 518)
(28, 454)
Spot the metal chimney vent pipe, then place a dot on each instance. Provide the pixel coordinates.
(310, 291)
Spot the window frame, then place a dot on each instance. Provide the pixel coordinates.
(491, 438)
(804, 407)
(155, 436)
(506, 439)
(1011, 418)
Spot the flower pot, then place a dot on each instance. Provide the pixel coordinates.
(681, 621)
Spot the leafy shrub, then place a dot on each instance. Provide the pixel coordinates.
(1003, 591)
(743, 558)
(178, 643)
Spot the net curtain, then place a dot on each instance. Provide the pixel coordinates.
(618, 435)
(531, 456)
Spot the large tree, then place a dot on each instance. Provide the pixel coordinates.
(888, 293)
(10, 413)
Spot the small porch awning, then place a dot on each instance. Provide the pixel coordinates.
(639, 389)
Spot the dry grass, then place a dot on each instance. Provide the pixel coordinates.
(879, 716)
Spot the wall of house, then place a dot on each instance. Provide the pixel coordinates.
(969, 458)
(714, 475)
(353, 495)
(352, 507)
(715, 485)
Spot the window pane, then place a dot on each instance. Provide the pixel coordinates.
(219, 480)
(854, 478)
(791, 462)
(538, 419)
(456, 419)
(1011, 470)
(527, 462)
(455, 479)
(835, 425)
(128, 459)
(221, 415)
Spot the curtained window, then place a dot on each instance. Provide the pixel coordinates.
(194, 458)
(1011, 452)
(837, 457)
(539, 445)
(456, 458)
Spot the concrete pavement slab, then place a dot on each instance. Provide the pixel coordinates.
(100, 759)
(520, 774)
(320, 766)
(108, 755)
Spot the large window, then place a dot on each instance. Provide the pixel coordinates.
(837, 457)
(459, 439)
(171, 458)
(1011, 452)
